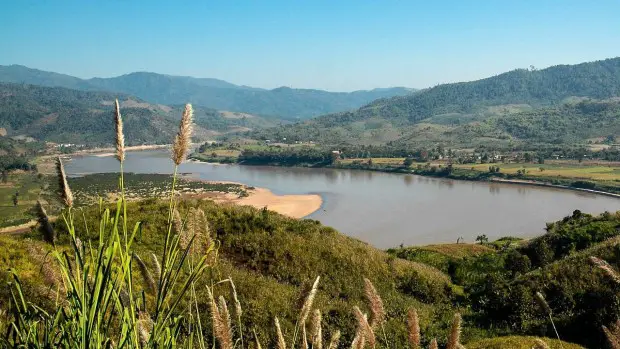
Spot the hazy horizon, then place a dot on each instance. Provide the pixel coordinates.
(340, 47)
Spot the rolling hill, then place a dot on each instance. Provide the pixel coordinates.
(282, 102)
(83, 117)
(435, 115)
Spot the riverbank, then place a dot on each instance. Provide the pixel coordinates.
(548, 185)
(294, 206)
(608, 188)
(103, 152)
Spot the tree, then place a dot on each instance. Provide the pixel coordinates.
(5, 176)
(517, 263)
(482, 239)
(16, 198)
(408, 162)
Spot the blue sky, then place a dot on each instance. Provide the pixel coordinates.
(333, 45)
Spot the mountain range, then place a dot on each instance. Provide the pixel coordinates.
(281, 103)
(447, 113)
(63, 115)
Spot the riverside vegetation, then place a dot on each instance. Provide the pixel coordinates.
(159, 273)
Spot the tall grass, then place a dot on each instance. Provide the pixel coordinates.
(99, 302)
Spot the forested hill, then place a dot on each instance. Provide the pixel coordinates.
(281, 102)
(599, 79)
(459, 103)
(85, 117)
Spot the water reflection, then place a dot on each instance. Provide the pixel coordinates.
(373, 206)
(408, 179)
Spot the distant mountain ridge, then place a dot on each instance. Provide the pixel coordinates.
(64, 115)
(442, 107)
(283, 102)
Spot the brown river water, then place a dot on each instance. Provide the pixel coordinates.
(386, 209)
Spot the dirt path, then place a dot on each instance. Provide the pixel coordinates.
(22, 228)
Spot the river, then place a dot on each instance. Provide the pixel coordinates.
(387, 209)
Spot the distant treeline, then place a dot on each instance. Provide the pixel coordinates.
(296, 156)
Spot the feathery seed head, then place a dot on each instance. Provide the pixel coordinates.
(145, 326)
(146, 274)
(65, 191)
(281, 341)
(413, 327)
(49, 235)
(233, 290)
(120, 137)
(156, 265)
(333, 343)
(455, 333)
(258, 346)
(434, 344)
(316, 331)
(543, 303)
(304, 338)
(183, 137)
(78, 244)
(221, 327)
(606, 268)
(364, 327)
(612, 338)
(307, 306)
(377, 311)
(539, 344)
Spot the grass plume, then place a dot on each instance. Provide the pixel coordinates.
(316, 330)
(413, 328)
(335, 340)
(543, 303)
(281, 342)
(545, 306)
(65, 190)
(120, 137)
(606, 268)
(377, 311)
(156, 265)
(221, 326)
(434, 344)
(145, 327)
(181, 143)
(364, 327)
(307, 306)
(454, 339)
(49, 235)
(540, 344)
(146, 274)
(612, 333)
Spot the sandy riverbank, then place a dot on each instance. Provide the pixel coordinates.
(295, 206)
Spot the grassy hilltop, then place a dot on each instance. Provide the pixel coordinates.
(272, 259)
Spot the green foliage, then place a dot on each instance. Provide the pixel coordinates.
(97, 302)
(574, 233)
(515, 342)
(294, 156)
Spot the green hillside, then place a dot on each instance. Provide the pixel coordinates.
(446, 113)
(272, 259)
(281, 103)
(83, 117)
